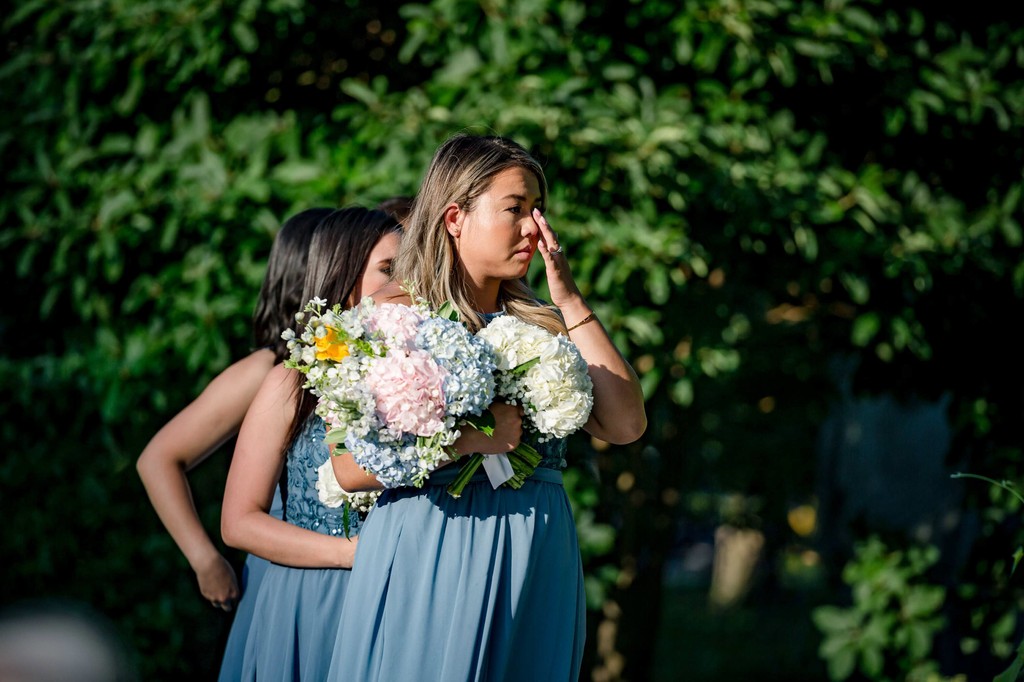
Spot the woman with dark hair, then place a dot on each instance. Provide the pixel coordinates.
(398, 206)
(214, 417)
(489, 585)
(296, 613)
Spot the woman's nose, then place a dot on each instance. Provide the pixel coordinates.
(530, 226)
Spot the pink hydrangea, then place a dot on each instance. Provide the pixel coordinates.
(398, 323)
(409, 388)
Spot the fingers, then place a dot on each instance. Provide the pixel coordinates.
(223, 605)
(547, 235)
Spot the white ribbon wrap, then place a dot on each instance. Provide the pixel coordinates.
(498, 469)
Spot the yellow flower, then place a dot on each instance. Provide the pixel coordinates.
(328, 347)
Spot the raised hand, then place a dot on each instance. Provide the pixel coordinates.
(618, 414)
(561, 285)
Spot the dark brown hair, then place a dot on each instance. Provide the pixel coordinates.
(281, 293)
(398, 207)
(338, 253)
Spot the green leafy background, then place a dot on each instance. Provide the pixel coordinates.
(748, 190)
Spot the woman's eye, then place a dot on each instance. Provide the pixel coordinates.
(515, 209)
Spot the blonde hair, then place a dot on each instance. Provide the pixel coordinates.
(461, 171)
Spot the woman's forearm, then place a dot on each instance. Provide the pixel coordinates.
(259, 533)
(189, 438)
(618, 415)
(351, 476)
(169, 492)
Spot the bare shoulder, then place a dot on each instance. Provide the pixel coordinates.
(392, 292)
(279, 388)
(280, 377)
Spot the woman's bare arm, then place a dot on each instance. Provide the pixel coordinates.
(255, 469)
(185, 441)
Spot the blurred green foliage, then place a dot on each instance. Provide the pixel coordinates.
(746, 189)
(887, 633)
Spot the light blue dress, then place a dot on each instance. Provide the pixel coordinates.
(252, 575)
(297, 610)
(488, 586)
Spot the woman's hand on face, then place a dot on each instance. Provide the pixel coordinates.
(508, 430)
(560, 282)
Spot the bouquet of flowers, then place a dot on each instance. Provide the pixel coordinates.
(393, 383)
(546, 374)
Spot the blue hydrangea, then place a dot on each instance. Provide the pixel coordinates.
(349, 405)
(394, 464)
(469, 387)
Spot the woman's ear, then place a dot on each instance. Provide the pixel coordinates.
(453, 217)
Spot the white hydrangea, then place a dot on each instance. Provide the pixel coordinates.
(332, 495)
(543, 372)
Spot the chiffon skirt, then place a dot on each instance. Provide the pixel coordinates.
(295, 624)
(252, 575)
(485, 587)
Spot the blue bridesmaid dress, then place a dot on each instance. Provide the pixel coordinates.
(488, 586)
(252, 575)
(297, 610)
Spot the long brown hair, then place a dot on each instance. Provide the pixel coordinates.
(281, 291)
(463, 169)
(338, 254)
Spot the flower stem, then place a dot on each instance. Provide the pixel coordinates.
(524, 460)
(465, 473)
(1005, 485)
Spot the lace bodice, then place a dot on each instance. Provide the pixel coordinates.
(302, 506)
(552, 451)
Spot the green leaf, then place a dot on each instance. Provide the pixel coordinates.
(524, 367)
(335, 436)
(923, 600)
(297, 172)
(682, 392)
(840, 666)
(1012, 673)
(482, 422)
(920, 641)
(461, 65)
(811, 48)
(245, 36)
(832, 619)
(872, 661)
(448, 311)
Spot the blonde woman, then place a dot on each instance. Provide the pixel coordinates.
(488, 586)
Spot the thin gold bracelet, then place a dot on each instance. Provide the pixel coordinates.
(589, 318)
